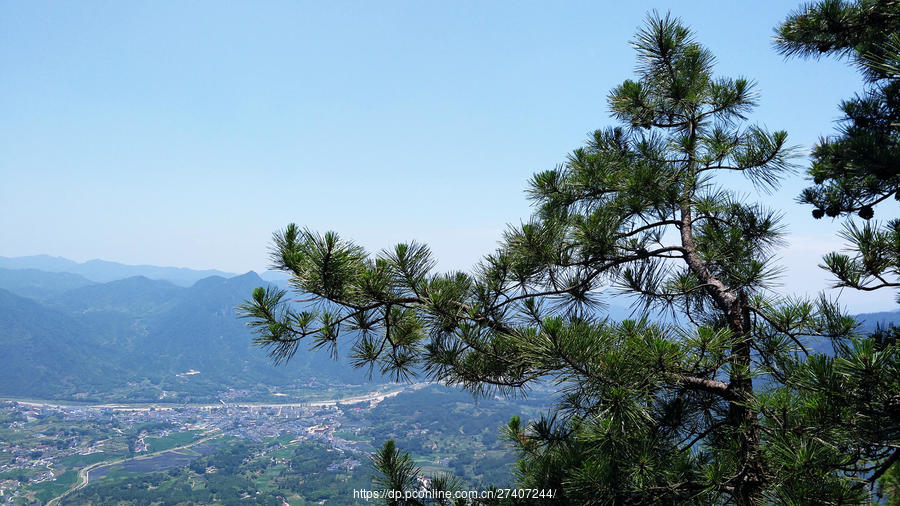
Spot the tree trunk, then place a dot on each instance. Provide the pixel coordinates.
(748, 481)
(741, 417)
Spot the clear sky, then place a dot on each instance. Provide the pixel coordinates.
(185, 133)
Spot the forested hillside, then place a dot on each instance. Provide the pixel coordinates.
(141, 339)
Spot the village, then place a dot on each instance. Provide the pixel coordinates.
(32, 454)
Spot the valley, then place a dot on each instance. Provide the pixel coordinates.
(68, 454)
(142, 390)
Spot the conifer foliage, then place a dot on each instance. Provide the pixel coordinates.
(857, 170)
(725, 401)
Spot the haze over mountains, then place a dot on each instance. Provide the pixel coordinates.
(113, 332)
(101, 271)
(64, 336)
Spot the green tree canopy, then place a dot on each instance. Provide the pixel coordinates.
(726, 403)
(857, 168)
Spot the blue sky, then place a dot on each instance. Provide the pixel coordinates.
(185, 133)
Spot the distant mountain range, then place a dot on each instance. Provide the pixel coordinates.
(96, 331)
(63, 336)
(101, 271)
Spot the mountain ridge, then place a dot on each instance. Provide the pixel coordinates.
(103, 271)
(63, 336)
(135, 338)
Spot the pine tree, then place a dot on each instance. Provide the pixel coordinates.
(725, 401)
(856, 170)
(399, 472)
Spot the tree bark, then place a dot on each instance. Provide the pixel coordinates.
(750, 476)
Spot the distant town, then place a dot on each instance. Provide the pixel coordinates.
(152, 432)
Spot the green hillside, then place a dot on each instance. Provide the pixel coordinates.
(139, 339)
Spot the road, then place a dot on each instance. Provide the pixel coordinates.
(374, 396)
(84, 473)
